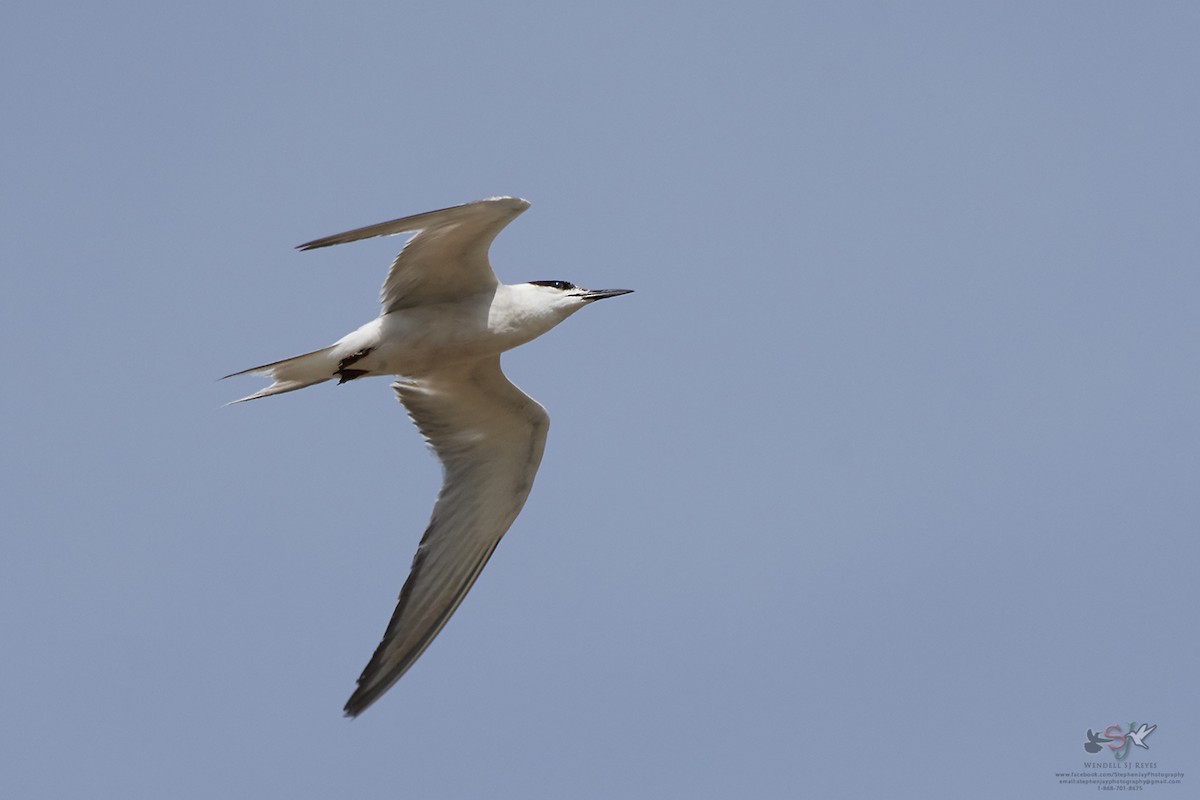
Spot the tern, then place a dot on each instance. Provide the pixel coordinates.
(444, 322)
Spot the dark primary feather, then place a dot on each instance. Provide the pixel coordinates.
(489, 437)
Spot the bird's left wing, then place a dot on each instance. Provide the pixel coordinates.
(446, 260)
(489, 437)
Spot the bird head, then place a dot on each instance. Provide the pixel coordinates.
(567, 297)
(533, 308)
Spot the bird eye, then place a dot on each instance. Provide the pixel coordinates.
(554, 284)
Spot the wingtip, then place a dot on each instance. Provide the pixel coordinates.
(317, 244)
(359, 702)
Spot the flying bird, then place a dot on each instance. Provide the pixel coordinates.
(444, 322)
(1140, 735)
(1092, 745)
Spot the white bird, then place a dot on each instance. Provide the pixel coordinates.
(1140, 734)
(444, 323)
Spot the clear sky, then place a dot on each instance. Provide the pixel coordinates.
(884, 483)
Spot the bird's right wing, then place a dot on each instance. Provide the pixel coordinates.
(489, 437)
(447, 259)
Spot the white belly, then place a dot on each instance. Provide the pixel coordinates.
(414, 341)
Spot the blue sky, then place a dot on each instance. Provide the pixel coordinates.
(882, 484)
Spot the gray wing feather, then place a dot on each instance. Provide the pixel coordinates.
(489, 437)
(448, 257)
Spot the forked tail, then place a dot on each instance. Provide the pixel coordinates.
(292, 373)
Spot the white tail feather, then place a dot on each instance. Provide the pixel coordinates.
(292, 373)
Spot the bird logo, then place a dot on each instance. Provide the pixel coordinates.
(1094, 741)
(1118, 739)
(1140, 735)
